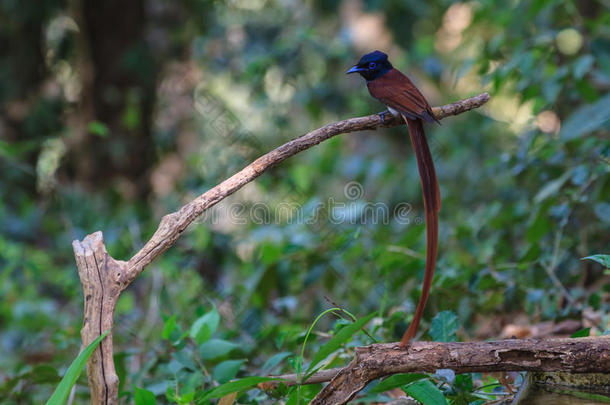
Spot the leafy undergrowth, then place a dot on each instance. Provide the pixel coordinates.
(207, 369)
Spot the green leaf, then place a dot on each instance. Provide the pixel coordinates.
(340, 338)
(44, 374)
(583, 65)
(591, 398)
(98, 128)
(215, 348)
(186, 398)
(234, 386)
(61, 393)
(552, 187)
(551, 89)
(203, 328)
(538, 228)
(293, 399)
(602, 210)
(444, 327)
(143, 397)
(303, 176)
(581, 333)
(397, 380)
(183, 359)
(426, 393)
(604, 260)
(168, 327)
(274, 360)
(586, 119)
(227, 370)
(270, 253)
(595, 300)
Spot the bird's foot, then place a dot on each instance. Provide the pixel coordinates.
(382, 115)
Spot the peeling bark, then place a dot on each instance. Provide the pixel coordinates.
(583, 355)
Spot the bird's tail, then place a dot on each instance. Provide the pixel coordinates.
(432, 204)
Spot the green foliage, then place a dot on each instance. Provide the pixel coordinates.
(62, 392)
(234, 386)
(395, 381)
(215, 348)
(143, 397)
(586, 119)
(227, 370)
(340, 338)
(604, 260)
(205, 326)
(444, 326)
(581, 333)
(98, 128)
(426, 392)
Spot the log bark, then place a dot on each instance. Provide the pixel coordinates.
(582, 355)
(104, 278)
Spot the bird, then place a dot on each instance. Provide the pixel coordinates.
(405, 101)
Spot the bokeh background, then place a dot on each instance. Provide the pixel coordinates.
(115, 113)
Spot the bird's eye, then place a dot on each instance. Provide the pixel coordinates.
(372, 65)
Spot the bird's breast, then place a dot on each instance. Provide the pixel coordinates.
(394, 112)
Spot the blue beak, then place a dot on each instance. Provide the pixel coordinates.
(355, 69)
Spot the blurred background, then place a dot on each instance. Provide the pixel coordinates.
(115, 113)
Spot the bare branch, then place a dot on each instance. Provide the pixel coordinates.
(293, 379)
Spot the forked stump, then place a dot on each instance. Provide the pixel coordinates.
(100, 276)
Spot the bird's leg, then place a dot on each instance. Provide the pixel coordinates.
(382, 115)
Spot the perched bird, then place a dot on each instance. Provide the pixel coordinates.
(404, 100)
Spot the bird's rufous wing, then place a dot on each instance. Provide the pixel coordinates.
(398, 92)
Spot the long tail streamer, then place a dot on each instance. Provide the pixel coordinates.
(432, 204)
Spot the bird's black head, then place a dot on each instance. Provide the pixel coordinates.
(372, 65)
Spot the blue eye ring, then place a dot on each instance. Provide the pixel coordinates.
(372, 65)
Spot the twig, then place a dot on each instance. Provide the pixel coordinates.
(551, 267)
(404, 250)
(103, 278)
(292, 379)
(350, 318)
